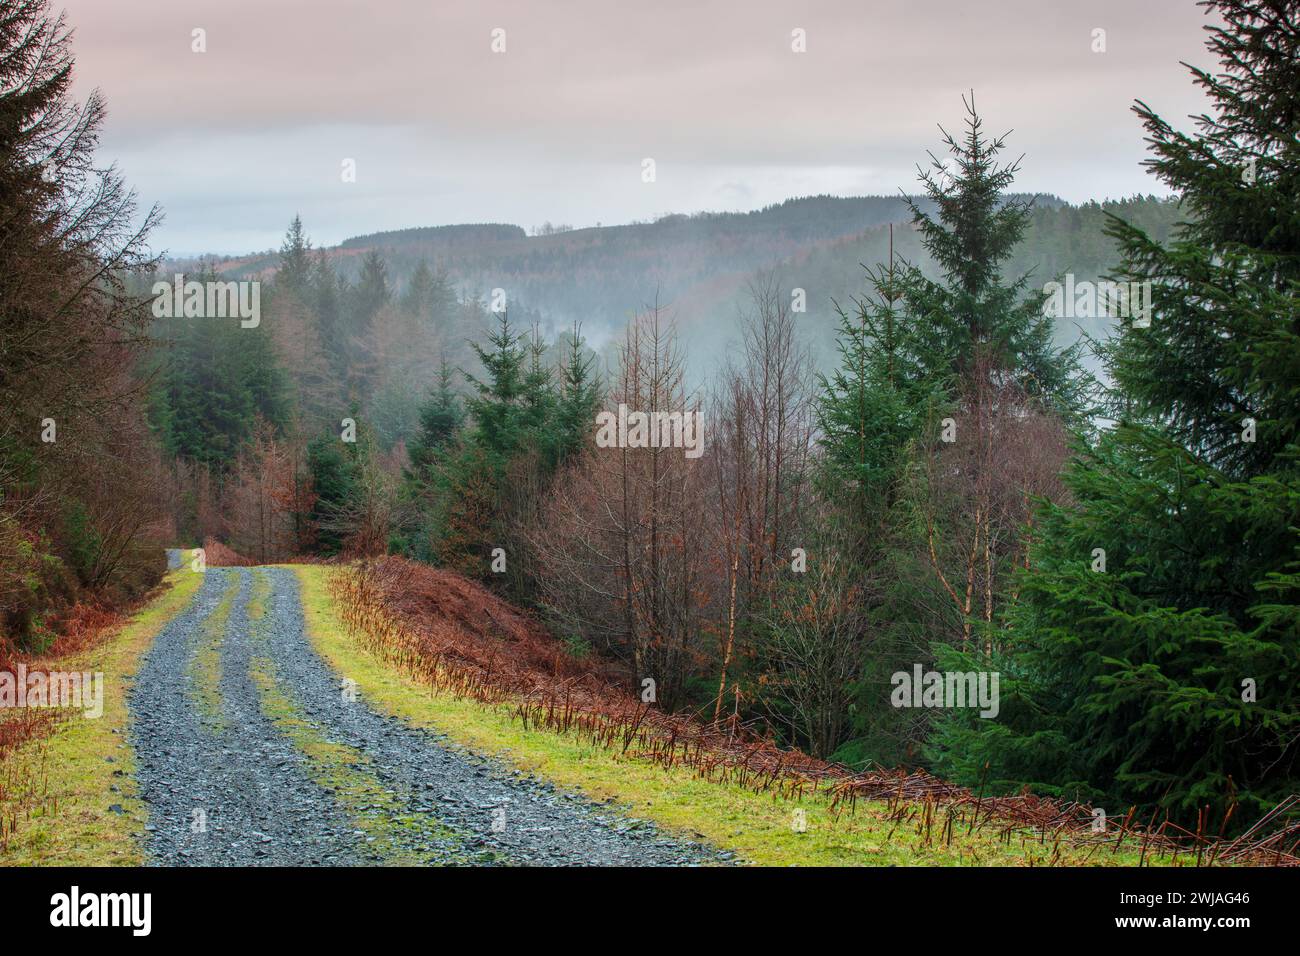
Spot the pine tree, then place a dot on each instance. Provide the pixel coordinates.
(295, 269)
(217, 379)
(1161, 614)
(931, 517)
(464, 530)
(579, 397)
(334, 475)
(459, 489)
(418, 290)
(496, 405)
(975, 322)
(870, 415)
(442, 302)
(327, 297)
(371, 292)
(478, 493)
(538, 402)
(429, 295)
(872, 405)
(441, 417)
(362, 358)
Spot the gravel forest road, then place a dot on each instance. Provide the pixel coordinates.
(251, 751)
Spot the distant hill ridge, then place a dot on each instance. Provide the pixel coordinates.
(700, 265)
(470, 232)
(822, 215)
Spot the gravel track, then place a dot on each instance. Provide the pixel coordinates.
(251, 751)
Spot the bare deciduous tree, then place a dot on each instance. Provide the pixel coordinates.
(762, 423)
(975, 496)
(620, 547)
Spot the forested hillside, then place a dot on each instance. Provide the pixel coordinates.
(701, 266)
(904, 463)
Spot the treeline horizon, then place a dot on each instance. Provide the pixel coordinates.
(596, 276)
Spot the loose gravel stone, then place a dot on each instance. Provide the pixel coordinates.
(318, 779)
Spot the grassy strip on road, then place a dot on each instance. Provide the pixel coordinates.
(757, 827)
(70, 774)
(343, 771)
(204, 669)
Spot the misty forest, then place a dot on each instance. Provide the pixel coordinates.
(921, 446)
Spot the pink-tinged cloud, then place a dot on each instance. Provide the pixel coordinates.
(235, 140)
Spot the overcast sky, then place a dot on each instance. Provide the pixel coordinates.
(233, 141)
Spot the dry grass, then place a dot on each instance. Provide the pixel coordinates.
(55, 789)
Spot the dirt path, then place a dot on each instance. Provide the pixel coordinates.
(251, 751)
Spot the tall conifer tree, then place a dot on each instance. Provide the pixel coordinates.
(1161, 617)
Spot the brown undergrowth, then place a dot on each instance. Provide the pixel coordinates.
(77, 630)
(218, 555)
(462, 640)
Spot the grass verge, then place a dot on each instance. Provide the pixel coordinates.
(63, 817)
(758, 828)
